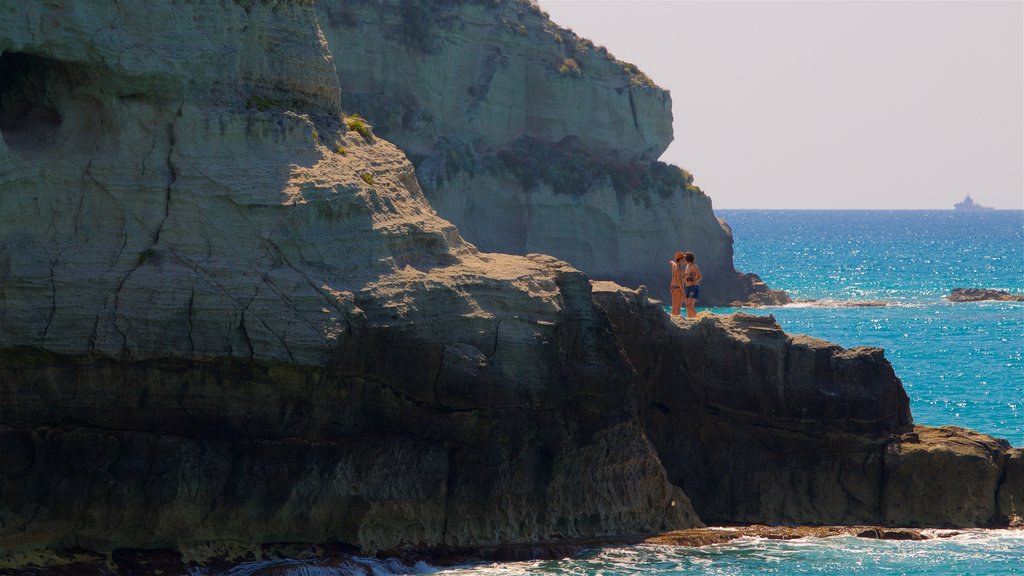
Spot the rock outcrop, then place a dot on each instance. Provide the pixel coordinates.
(982, 294)
(531, 139)
(760, 426)
(949, 476)
(228, 320)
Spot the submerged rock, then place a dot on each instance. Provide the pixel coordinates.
(695, 537)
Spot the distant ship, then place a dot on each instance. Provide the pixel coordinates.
(969, 204)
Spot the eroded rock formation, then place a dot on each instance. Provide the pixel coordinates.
(228, 320)
(760, 426)
(530, 138)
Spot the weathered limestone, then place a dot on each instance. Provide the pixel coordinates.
(531, 139)
(611, 237)
(488, 74)
(760, 426)
(227, 320)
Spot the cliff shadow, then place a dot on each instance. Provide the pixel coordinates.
(31, 90)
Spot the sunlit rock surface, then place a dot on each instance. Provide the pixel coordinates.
(228, 320)
(530, 138)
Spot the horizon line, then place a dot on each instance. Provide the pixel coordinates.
(1021, 209)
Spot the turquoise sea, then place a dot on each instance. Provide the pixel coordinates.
(961, 364)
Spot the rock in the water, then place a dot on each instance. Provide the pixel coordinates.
(1011, 490)
(757, 425)
(944, 476)
(759, 294)
(531, 139)
(982, 294)
(891, 534)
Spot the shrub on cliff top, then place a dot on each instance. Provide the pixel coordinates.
(569, 67)
(636, 76)
(576, 49)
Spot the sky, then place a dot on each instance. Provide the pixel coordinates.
(853, 104)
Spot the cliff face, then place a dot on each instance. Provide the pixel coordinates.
(529, 138)
(131, 144)
(488, 74)
(228, 320)
(761, 426)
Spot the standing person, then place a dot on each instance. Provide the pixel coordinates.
(691, 282)
(676, 286)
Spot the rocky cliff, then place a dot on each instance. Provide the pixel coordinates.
(530, 138)
(227, 319)
(760, 426)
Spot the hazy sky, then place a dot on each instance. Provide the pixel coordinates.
(826, 104)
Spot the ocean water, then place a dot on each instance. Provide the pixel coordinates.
(978, 553)
(965, 553)
(961, 363)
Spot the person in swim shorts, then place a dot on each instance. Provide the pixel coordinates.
(676, 285)
(691, 285)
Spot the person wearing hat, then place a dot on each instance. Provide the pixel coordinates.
(676, 286)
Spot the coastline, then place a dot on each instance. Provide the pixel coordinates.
(281, 558)
(327, 359)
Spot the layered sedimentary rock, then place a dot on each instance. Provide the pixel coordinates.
(228, 320)
(761, 426)
(530, 138)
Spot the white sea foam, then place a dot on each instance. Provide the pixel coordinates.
(976, 552)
